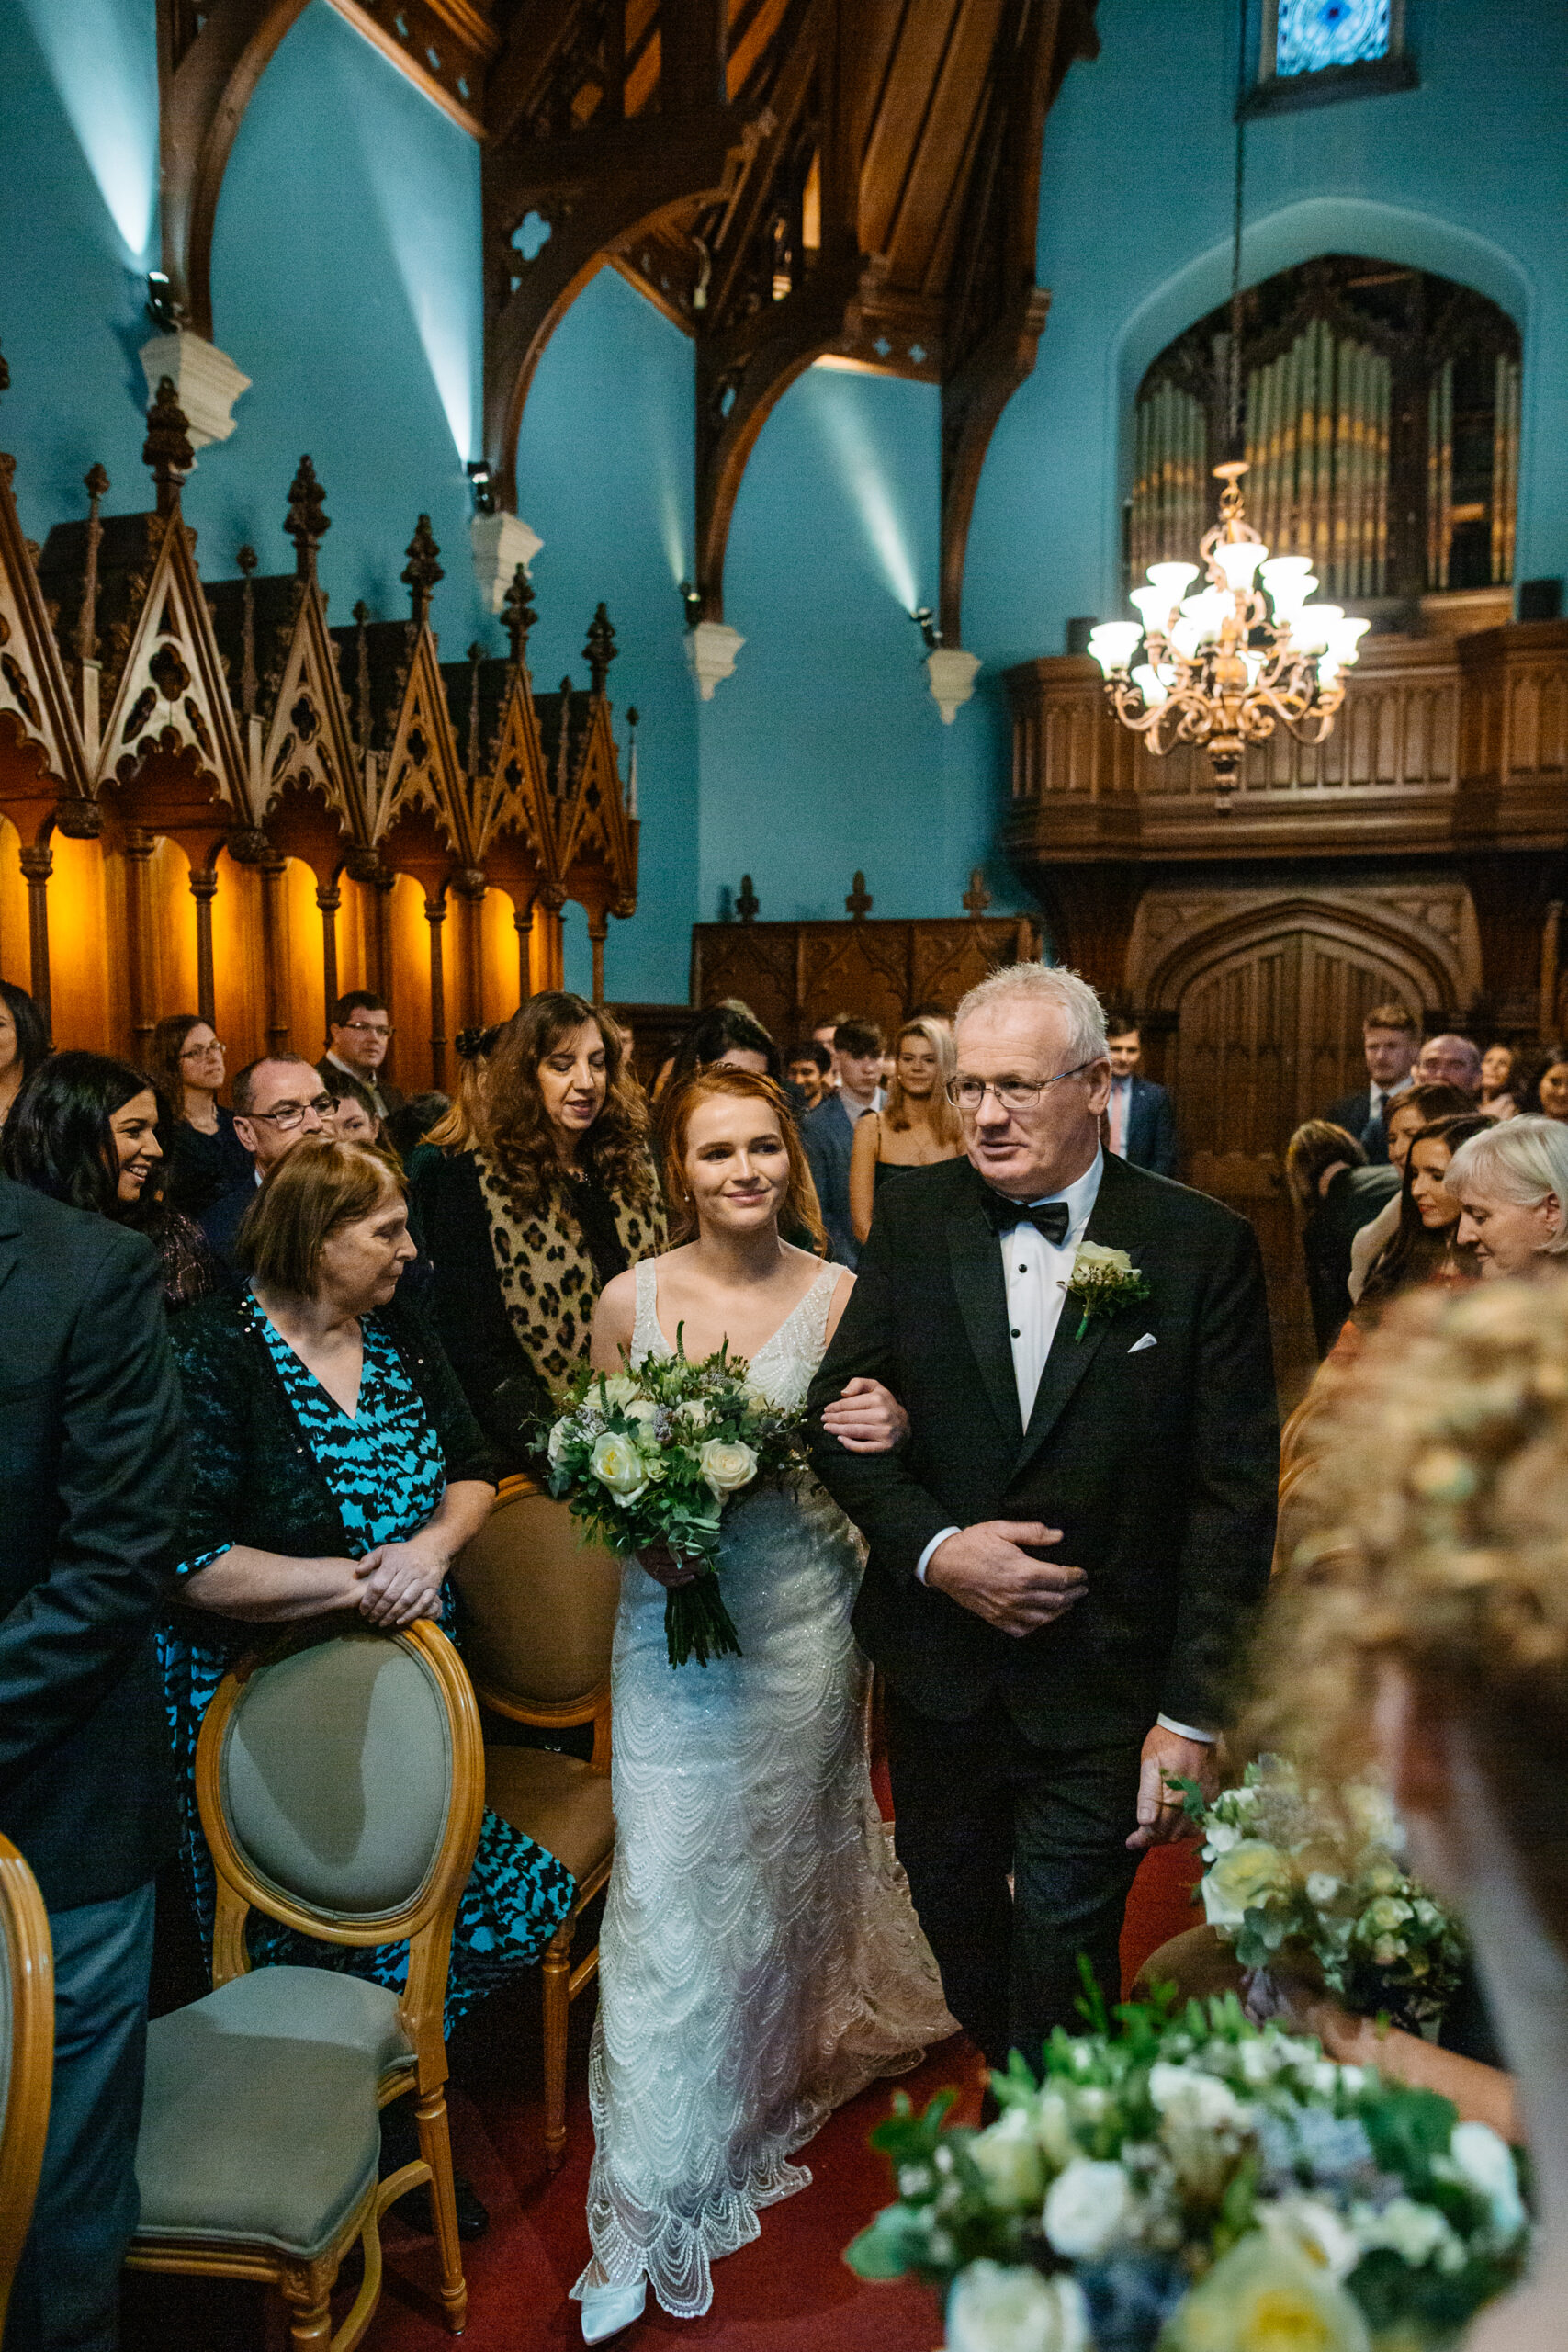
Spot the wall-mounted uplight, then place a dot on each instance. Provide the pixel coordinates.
(925, 622)
(483, 482)
(166, 314)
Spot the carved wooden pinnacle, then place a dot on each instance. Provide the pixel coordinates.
(307, 523)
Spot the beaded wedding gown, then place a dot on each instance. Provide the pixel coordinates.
(759, 1961)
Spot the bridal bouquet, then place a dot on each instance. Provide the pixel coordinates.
(1194, 2181)
(647, 1459)
(1286, 1873)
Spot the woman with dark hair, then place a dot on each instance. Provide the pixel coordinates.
(730, 1036)
(92, 1132)
(354, 1117)
(1502, 1081)
(24, 1043)
(1334, 1192)
(553, 1197)
(206, 1157)
(1424, 1247)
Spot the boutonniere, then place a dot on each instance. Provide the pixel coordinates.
(1103, 1282)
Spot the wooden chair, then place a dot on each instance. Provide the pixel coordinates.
(340, 1783)
(27, 2055)
(538, 1624)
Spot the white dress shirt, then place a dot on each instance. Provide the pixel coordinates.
(1119, 1114)
(1036, 1274)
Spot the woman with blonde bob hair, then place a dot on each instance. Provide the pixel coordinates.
(760, 1958)
(1512, 1188)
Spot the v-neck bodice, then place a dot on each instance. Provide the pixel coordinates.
(782, 1366)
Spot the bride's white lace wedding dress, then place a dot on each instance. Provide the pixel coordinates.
(760, 1960)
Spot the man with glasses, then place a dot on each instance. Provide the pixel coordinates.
(277, 1100)
(359, 1034)
(1065, 1552)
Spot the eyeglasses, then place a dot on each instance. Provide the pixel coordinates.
(366, 1028)
(199, 1053)
(288, 1116)
(1013, 1093)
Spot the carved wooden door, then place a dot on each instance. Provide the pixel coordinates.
(1271, 1034)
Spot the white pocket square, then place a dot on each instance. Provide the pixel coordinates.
(1148, 1340)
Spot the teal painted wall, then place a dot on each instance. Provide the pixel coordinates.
(1466, 176)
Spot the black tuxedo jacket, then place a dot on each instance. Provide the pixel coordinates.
(92, 1486)
(1159, 1463)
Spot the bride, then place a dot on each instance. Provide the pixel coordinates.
(759, 1961)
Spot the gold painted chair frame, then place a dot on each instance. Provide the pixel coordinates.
(29, 1959)
(425, 1922)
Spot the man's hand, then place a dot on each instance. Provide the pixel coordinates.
(989, 1569)
(867, 1419)
(1168, 1756)
(400, 1582)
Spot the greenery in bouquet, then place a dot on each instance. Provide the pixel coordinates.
(1195, 2181)
(647, 1460)
(1287, 1874)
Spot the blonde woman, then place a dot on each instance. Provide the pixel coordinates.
(1421, 1632)
(916, 1127)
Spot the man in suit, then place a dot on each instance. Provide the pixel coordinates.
(1390, 1037)
(358, 1036)
(92, 1465)
(828, 1132)
(276, 1101)
(1141, 1122)
(1065, 1554)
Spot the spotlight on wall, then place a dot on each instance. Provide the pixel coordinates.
(166, 314)
(925, 622)
(483, 482)
(691, 603)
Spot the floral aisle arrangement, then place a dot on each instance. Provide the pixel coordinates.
(1288, 1877)
(647, 1460)
(1194, 2181)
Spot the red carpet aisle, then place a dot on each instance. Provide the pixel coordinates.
(789, 2291)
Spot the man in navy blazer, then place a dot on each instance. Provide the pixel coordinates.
(828, 1132)
(1141, 1122)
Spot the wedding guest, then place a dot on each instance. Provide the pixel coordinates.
(1413, 1109)
(1425, 1246)
(335, 1466)
(354, 1115)
(359, 1035)
(1512, 1187)
(85, 1130)
(1552, 1086)
(206, 1156)
(279, 1101)
(1501, 1081)
(1335, 1192)
(916, 1126)
(1140, 1122)
(1420, 1635)
(409, 1126)
(1055, 1613)
(808, 1067)
(92, 1472)
(24, 1042)
(727, 1036)
(554, 1195)
(1390, 1037)
(1450, 1060)
(828, 1133)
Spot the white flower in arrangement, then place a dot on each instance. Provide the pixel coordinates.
(619, 1388)
(1053, 2128)
(617, 1466)
(560, 1432)
(1222, 1836)
(1315, 2229)
(995, 2308)
(1093, 1262)
(728, 1465)
(1417, 2233)
(1486, 2163)
(1241, 1880)
(1009, 2159)
(1087, 2208)
(643, 1411)
(692, 1418)
(1198, 2101)
(1321, 1888)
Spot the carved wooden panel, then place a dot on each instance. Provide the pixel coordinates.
(794, 975)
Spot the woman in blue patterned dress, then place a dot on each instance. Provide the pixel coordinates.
(335, 1465)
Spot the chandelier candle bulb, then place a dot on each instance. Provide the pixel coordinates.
(1150, 685)
(1175, 578)
(1157, 606)
(1239, 560)
(1114, 644)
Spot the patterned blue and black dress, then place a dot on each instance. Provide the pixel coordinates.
(386, 1473)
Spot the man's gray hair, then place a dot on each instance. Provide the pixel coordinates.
(1451, 1037)
(1047, 984)
(1519, 1160)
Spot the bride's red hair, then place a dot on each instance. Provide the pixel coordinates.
(800, 1213)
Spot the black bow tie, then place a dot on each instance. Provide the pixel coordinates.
(1049, 1217)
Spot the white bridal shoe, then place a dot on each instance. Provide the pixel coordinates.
(606, 2310)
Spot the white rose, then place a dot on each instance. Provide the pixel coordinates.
(1096, 1259)
(1008, 2156)
(995, 2309)
(1087, 2208)
(1321, 1888)
(694, 1416)
(617, 1464)
(1314, 2229)
(727, 1464)
(643, 1411)
(619, 1388)
(1185, 2095)
(1486, 2162)
(1417, 2233)
(1220, 1837)
(1053, 2128)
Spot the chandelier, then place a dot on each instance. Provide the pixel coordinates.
(1224, 667)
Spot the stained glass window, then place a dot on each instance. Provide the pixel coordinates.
(1312, 34)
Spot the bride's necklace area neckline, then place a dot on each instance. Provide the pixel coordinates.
(763, 1345)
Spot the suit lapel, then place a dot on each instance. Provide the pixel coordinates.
(1114, 1222)
(982, 1298)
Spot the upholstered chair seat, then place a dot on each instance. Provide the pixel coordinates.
(308, 2005)
(561, 1802)
(222, 2157)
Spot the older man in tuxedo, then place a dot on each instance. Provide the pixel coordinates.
(1065, 1556)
